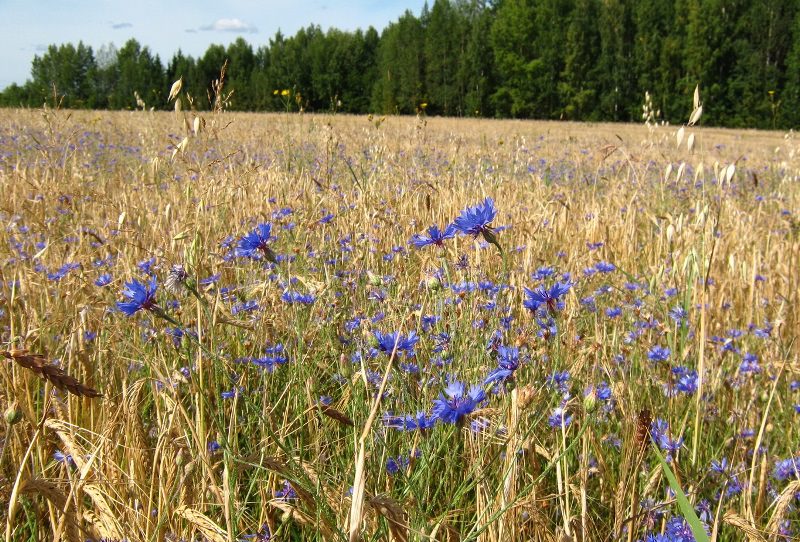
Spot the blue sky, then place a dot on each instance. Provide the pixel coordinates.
(27, 27)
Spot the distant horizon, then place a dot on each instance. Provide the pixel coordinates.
(166, 28)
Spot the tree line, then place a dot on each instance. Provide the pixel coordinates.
(590, 60)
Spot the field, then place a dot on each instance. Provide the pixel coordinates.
(606, 350)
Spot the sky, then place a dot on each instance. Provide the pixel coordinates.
(27, 27)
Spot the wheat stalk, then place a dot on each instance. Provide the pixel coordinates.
(53, 374)
(207, 528)
(734, 519)
(781, 506)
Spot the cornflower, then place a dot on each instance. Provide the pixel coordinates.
(255, 241)
(141, 297)
(549, 298)
(435, 236)
(456, 402)
(475, 221)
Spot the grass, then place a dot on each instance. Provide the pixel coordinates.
(262, 415)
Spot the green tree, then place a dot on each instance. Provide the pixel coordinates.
(477, 74)
(399, 85)
(241, 65)
(444, 47)
(657, 46)
(577, 86)
(616, 82)
(790, 97)
(70, 70)
(17, 96)
(136, 71)
(207, 71)
(512, 35)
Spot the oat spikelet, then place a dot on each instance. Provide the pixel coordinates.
(56, 376)
(175, 89)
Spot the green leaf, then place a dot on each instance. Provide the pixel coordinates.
(687, 511)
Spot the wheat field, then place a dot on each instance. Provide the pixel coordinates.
(228, 327)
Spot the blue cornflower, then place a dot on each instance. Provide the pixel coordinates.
(659, 432)
(548, 297)
(678, 315)
(213, 279)
(749, 363)
(658, 353)
(63, 271)
(292, 297)
(428, 321)
(604, 392)
(409, 422)
(435, 236)
(246, 306)
(146, 266)
(396, 464)
(542, 273)
(233, 392)
(507, 361)
(353, 324)
(613, 312)
(559, 381)
(547, 327)
(421, 421)
(475, 220)
(456, 402)
(687, 383)
(255, 241)
(559, 417)
(658, 429)
(61, 457)
(720, 467)
(287, 493)
(605, 267)
(678, 530)
(787, 468)
(103, 280)
(141, 297)
(387, 341)
(658, 537)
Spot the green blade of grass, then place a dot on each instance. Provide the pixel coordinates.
(687, 511)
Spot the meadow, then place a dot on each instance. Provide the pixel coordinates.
(597, 341)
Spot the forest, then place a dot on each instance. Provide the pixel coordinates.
(586, 60)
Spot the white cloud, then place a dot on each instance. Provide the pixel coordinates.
(230, 25)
